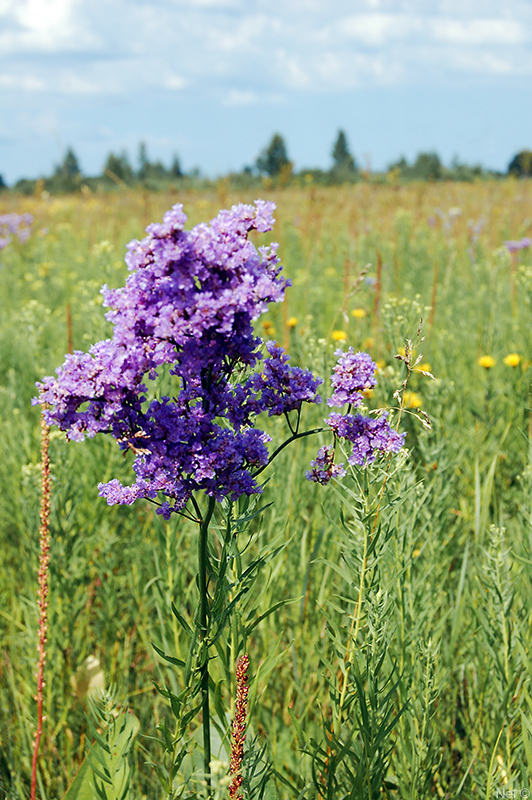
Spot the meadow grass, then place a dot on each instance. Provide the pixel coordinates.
(447, 612)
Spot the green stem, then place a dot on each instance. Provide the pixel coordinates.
(285, 444)
(354, 631)
(203, 629)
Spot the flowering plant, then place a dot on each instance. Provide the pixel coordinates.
(353, 374)
(14, 225)
(188, 307)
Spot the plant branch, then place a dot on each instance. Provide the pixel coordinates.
(285, 444)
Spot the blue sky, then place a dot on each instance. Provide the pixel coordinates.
(212, 80)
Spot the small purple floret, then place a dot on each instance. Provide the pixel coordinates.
(354, 373)
(323, 467)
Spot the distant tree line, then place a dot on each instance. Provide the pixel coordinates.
(272, 164)
(428, 167)
(117, 170)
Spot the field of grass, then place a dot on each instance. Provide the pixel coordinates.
(444, 625)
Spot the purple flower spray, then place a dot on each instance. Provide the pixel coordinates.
(369, 436)
(189, 307)
(189, 303)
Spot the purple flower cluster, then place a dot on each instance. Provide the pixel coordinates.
(369, 436)
(353, 373)
(14, 225)
(283, 388)
(189, 302)
(515, 246)
(323, 467)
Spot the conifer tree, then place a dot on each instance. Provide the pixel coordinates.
(119, 167)
(273, 158)
(175, 169)
(521, 164)
(67, 175)
(144, 163)
(344, 166)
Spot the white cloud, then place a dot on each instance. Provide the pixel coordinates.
(262, 48)
(490, 63)
(175, 82)
(342, 69)
(28, 83)
(479, 31)
(43, 26)
(247, 34)
(209, 4)
(377, 29)
(75, 84)
(241, 97)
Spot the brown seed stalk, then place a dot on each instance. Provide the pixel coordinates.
(42, 601)
(238, 733)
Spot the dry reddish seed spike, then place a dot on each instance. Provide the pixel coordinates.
(238, 733)
(42, 603)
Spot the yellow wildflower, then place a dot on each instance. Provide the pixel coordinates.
(368, 343)
(512, 359)
(368, 393)
(339, 336)
(416, 552)
(380, 363)
(292, 322)
(486, 361)
(269, 328)
(358, 313)
(413, 400)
